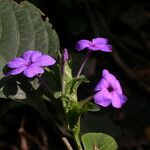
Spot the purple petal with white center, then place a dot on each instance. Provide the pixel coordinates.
(102, 84)
(44, 60)
(32, 71)
(16, 62)
(16, 71)
(102, 98)
(100, 41)
(35, 56)
(27, 55)
(117, 100)
(82, 44)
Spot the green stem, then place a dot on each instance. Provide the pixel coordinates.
(78, 143)
(83, 63)
(62, 76)
(86, 100)
(76, 135)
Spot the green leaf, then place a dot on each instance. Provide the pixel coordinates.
(91, 107)
(98, 141)
(46, 38)
(10, 88)
(72, 85)
(58, 94)
(53, 39)
(21, 29)
(67, 73)
(2, 63)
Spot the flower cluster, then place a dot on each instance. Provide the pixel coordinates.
(108, 90)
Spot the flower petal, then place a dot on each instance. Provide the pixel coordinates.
(102, 98)
(94, 48)
(100, 44)
(118, 100)
(100, 41)
(102, 84)
(82, 44)
(16, 71)
(33, 71)
(105, 73)
(35, 56)
(111, 79)
(106, 48)
(117, 87)
(44, 60)
(16, 62)
(27, 55)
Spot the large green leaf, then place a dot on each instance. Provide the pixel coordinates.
(98, 141)
(21, 29)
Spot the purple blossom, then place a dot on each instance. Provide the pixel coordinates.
(31, 63)
(109, 91)
(94, 45)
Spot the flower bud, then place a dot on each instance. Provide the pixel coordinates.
(65, 55)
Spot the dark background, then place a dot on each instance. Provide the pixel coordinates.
(126, 24)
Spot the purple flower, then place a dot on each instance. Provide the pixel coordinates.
(94, 45)
(109, 91)
(31, 63)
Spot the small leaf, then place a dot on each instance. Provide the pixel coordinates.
(10, 88)
(72, 86)
(98, 141)
(91, 107)
(57, 95)
(67, 73)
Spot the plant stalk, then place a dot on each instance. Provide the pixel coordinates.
(83, 63)
(86, 100)
(76, 135)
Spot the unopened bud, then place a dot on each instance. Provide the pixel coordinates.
(65, 54)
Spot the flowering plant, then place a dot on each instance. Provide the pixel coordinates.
(108, 91)
(34, 77)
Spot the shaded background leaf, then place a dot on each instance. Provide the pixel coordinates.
(22, 28)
